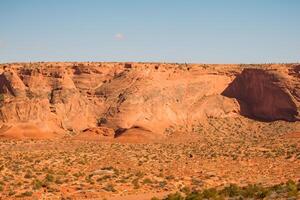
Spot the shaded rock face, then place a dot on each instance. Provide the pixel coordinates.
(11, 83)
(264, 95)
(154, 100)
(51, 99)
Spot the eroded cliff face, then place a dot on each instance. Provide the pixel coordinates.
(266, 94)
(59, 99)
(162, 100)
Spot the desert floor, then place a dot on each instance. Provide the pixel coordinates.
(76, 169)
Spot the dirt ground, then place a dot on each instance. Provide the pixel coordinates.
(256, 152)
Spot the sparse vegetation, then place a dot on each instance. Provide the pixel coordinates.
(37, 184)
(289, 189)
(109, 188)
(1, 99)
(186, 167)
(25, 194)
(101, 121)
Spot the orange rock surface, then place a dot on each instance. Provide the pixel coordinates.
(147, 98)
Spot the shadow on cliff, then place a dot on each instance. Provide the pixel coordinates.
(5, 85)
(262, 96)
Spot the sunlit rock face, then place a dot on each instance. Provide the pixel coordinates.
(147, 98)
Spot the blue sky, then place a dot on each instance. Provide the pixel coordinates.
(198, 31)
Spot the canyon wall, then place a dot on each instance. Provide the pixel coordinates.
(65, 99)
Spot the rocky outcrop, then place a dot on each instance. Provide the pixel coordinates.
(265, 94)
(158, 102)
(150, 99)
(11, 84)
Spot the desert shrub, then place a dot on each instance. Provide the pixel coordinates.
(135, 183)
(162, 184)
(11, 192)
(59, 181)
(107, 168)
(109, 188)
(186, 190)
(197, 182)
(1, 99)
(194, 196)
(51, 189)
(37, 184)
(89, 178)
(140, 174)
(279, 188)
(232, 190)
(210, 193)
(28, 175)
(77, 175)
(103, 178)
(128, 65)
(147, 181)
(291, 188)
(49, 178)
(25, 194)
(29, 94)
(262, 193)
(101, 121)
(155, 198)
(171, 177)
(175, 196)
(255, 191)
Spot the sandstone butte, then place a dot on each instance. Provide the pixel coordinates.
(139, 101)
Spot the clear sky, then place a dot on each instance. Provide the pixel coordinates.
(198, 31)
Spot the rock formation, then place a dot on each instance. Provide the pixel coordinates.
(267, 94)
(152, 99)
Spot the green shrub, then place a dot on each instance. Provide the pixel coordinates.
(147, 181)
(292, 189)
(49, 178)
(250, 191)
(210, 193)
(186, 190)
(37, 184)
(194, 196)
(279, 188)
(263, 193)
(1, 97)
(176, 196)
(232, 190)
